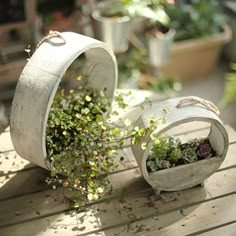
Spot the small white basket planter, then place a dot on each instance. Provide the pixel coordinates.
(183, 110)
(39, 82)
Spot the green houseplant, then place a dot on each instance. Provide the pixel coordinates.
(200, 34)
(112, 23)
(168, 152)
(82, 141)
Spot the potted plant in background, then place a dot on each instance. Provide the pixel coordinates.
(200, 34)
(158, 33)
(56, 15)
(112, 22)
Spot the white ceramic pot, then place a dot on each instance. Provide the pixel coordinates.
(39, 81)
(113, 31)
(159, 48)
(188, 175)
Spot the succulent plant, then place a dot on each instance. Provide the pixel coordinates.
(174, 142)
(204, 150)
(189, 155)
(175, 155)
(157, 164)
(162, 164)
(151, 165)
(168, 152)
(160, 148)
(194, 143)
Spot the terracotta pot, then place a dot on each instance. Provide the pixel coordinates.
(195, 58)
(38, 84)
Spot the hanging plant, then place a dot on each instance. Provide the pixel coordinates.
(82, 140)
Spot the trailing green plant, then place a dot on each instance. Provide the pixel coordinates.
(82, 139)
(168, 151)
(230, 86)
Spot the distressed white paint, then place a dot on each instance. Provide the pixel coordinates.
(38, 84)
(189, 175)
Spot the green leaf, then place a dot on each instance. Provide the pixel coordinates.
(100, 190)
(116, 131)
(230, 87)
(90, 197)
(127, 122)
(88, 98)
(143, 145)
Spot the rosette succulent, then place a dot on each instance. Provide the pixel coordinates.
(175, 155)
(160, 148)
(204, 151)
(168, 152)
(189, 155)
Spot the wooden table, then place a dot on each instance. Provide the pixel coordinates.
(29, 207)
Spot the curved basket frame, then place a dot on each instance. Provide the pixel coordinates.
(188, 175)
(39, 82)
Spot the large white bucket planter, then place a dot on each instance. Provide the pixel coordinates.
(187, 175)
(39, 81)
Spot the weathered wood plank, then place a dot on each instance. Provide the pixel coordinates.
(45, 210)
(25, 182)
(226, 230)
(7, 129)
(47, 205)
(11, 162)
(23, 178)
(5, 142)
(185, 221)
(116, 215)
(12, 183)
(232, 133)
